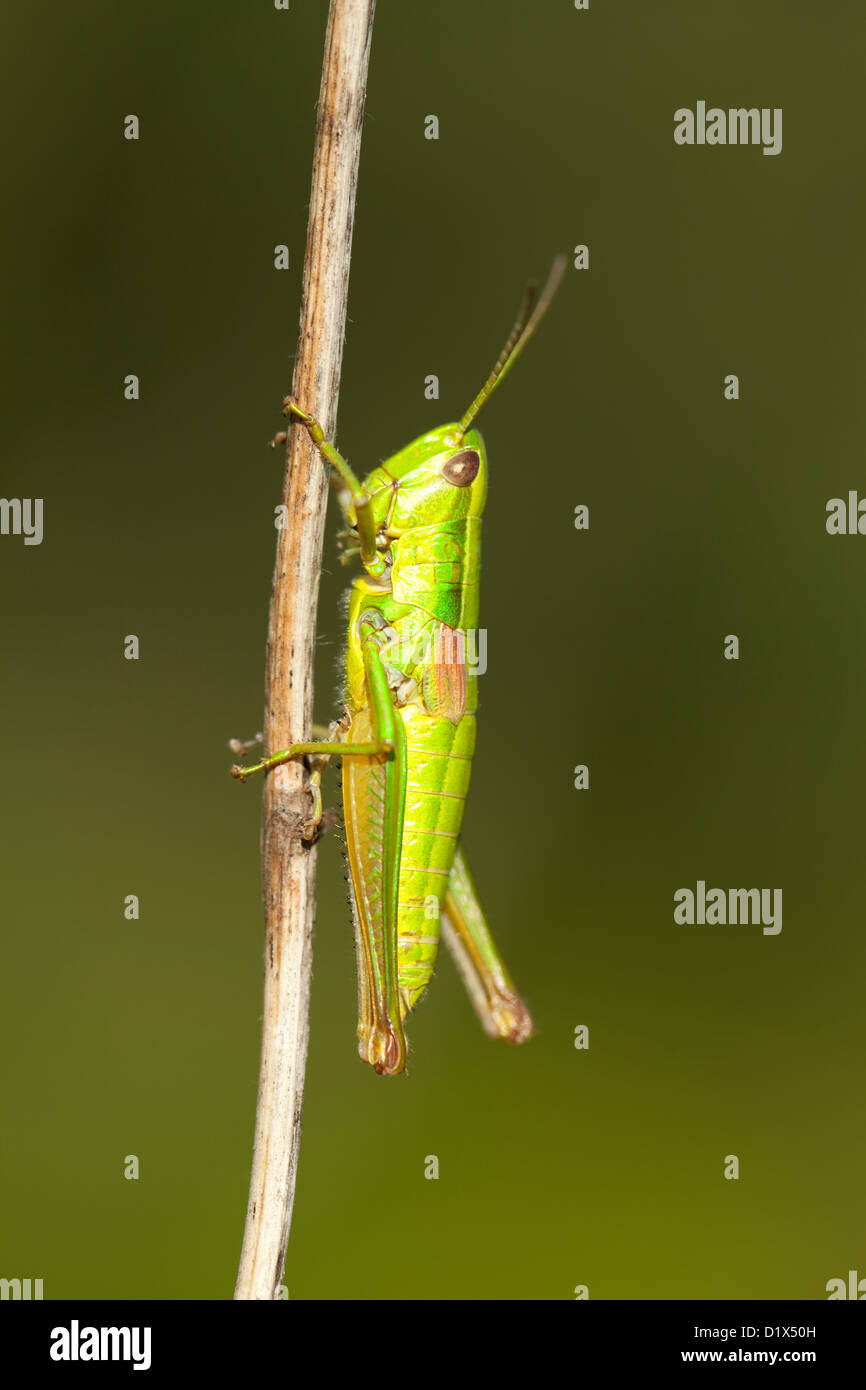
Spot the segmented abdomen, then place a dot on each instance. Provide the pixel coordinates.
(439, 762)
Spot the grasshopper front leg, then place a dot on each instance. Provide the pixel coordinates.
(372, 561)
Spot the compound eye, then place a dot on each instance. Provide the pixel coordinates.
(462, 469)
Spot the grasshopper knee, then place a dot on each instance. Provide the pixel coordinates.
(384, 1047)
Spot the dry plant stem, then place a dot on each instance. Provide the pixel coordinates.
(288, 864)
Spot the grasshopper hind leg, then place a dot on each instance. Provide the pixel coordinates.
(465, 932)
(373, 799)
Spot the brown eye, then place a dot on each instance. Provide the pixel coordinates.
(462, 469)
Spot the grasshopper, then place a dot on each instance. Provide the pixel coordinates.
(407, 732)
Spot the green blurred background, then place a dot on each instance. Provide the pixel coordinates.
(557, 1167)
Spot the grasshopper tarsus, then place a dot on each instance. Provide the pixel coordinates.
(241, 746)
(313, 830)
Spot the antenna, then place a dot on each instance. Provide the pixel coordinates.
(527, 321)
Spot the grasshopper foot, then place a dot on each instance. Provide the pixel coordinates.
(313, 829)
(242, 746)
(511, 1018)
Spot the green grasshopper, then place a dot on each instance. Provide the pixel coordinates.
(407, 733)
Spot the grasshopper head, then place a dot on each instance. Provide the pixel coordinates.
(439, 477)
(442, 476)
